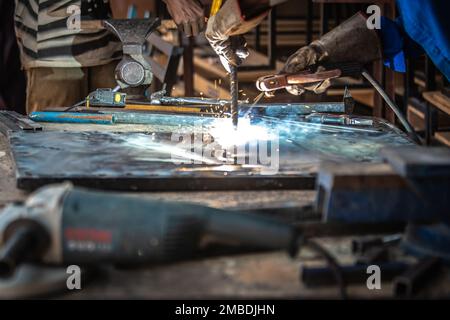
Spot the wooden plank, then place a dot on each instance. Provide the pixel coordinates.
(443, 137)
(163, 46)
(214, 68)
(209, 88)
(419, 82)
(439, 100)
(417, 112)
(416, 118)
(294, 40)
(291, 24)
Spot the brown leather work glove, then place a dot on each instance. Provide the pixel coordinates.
(351, 41)
(230, 21)
(300, 61)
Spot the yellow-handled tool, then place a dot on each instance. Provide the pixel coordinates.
(215, 6)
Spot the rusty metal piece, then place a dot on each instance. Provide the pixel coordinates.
(12, 121)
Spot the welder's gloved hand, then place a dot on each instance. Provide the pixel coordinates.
(230, 21)
(188, 15)
(300, 61)
(351, 41)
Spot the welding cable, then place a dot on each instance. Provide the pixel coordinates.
(75, 105)
(410, 130)
(331, 261)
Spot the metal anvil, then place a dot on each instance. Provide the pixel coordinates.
(134, 69)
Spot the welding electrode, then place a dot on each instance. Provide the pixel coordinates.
(241, 52)
(61, 224)
(234, 95)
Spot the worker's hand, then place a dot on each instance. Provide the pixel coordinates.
(351, 41)
(188, 15)
(230, 51)
(230, 21)
(219, 30)
(300, 61)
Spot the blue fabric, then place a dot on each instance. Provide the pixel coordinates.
(422, 26)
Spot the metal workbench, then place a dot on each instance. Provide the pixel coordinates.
(263, 275)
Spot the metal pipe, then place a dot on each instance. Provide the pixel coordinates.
(72, 117)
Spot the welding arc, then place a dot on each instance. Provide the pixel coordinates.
(411, 132)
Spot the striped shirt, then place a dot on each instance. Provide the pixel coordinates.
(49, 33)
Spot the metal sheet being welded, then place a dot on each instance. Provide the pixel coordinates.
(195, 153)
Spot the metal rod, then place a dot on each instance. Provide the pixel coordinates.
(272, 45)
(72, 117)
(234, 95)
